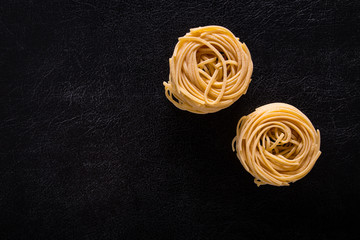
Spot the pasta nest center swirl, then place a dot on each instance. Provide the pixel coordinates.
(209, 70)
(277, 144)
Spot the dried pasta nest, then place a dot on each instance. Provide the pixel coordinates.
(277, 144)
(210, 69)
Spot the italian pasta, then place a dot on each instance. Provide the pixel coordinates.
(277, 144)
(209, 70)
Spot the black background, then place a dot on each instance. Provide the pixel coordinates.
(92, 149)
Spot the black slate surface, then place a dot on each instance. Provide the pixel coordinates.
(91, 148)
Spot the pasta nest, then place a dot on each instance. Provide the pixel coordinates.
(277, 144)
(209, 70)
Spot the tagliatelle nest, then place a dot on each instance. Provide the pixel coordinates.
(210, 69)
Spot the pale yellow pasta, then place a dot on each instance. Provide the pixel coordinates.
(277, 144)
(209, 70)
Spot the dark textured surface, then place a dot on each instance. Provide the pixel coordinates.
(91, 149)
